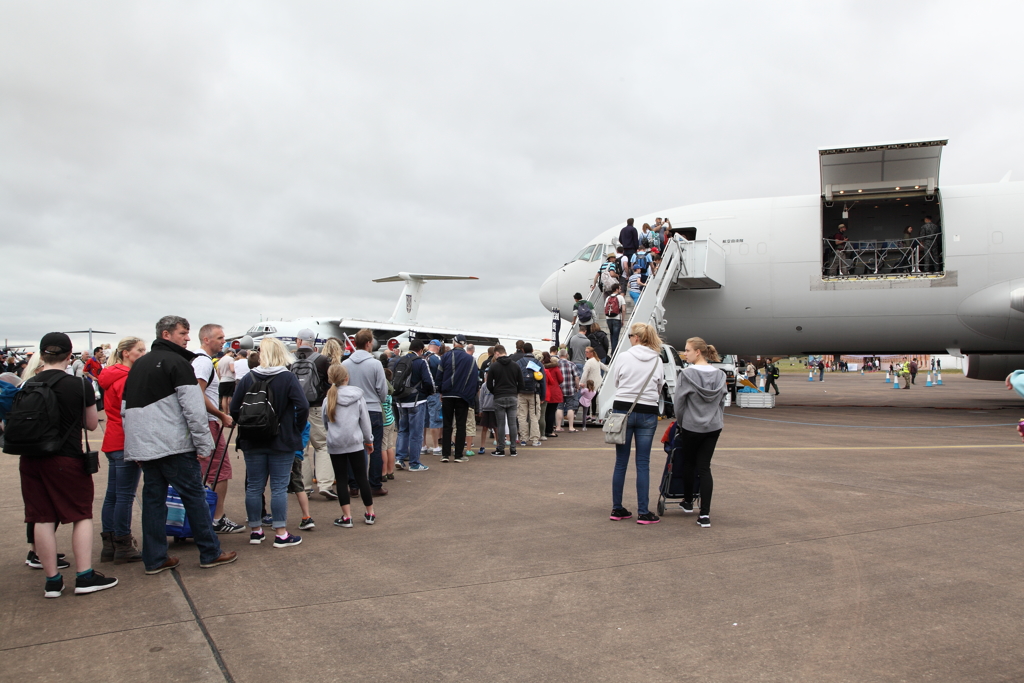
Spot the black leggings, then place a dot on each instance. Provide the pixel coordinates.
(696, 450)
(357, 460)
(549, 418)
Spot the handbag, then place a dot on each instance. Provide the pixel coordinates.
(90, 459)
(615, 424)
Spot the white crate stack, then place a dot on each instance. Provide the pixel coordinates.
(752, 400)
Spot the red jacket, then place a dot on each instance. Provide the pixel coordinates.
(112, 380)
(554, 385)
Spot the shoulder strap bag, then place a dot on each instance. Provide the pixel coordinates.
(90, 458)
(615, 424)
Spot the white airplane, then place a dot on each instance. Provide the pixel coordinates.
(395, 333)
(764, 276)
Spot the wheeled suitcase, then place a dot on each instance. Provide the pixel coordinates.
(177, 524)
(674, 456)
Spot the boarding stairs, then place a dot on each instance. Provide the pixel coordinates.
(685, 264)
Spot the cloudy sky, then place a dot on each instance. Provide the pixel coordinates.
(227, 160)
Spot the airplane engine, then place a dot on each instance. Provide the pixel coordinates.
(245, 342)
(992, 368)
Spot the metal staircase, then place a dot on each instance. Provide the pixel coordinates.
(685, 264)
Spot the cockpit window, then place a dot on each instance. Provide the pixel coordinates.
(598, 253)
(586, 253)
(261, 329)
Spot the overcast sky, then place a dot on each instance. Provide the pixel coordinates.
(227, 160)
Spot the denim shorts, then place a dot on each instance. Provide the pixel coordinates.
(570, 403)
(434, 418)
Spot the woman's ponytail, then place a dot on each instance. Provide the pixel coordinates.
(336, 375)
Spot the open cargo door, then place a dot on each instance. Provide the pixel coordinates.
(882, 168)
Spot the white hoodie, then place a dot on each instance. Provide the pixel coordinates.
(351, 426)
(632, 367)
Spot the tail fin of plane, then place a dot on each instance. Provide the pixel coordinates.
(408, 305)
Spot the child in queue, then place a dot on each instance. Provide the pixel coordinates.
(347, 422)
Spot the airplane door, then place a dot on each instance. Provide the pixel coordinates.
(849, 172)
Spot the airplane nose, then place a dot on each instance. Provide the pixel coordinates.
(549, 291)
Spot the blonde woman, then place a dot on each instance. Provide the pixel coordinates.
(122, 475)
(349, 440)
(699, 401)
(271, 458)
(638, 376)
(333, 350)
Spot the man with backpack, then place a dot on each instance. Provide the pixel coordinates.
(771, 373)
(598, 340)
(218, 469)
(413, 384)
(165, 429)
(44, 427)
(310, 368)
(528, 405)
(614, 311)
(366, 372)
(583, 310)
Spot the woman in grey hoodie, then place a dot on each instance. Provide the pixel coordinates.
(698, 401)
(347, 422)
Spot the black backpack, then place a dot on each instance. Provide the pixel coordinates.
(257, 419)
(529, 381)
(309, 378)
(33, 425)
(400, 379)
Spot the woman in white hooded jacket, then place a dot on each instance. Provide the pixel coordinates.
(638, 375)
(349, 439)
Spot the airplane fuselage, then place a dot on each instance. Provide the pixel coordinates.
(775, 299)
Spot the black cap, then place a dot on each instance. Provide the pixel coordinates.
(55, 343)
(460, 339)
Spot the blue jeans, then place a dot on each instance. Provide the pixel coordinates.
(262, 464)
(410, 434)
(641, 426)
(614, 328)
(180, 470)
(122, 481)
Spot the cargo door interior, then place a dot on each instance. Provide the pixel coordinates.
(877, 191)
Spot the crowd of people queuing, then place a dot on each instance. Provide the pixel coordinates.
(338, 422)
(335, 422)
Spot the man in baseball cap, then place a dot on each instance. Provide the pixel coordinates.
(56, 488)
(435, 421)
(316, 390)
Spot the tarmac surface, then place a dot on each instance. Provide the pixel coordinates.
(836, 553)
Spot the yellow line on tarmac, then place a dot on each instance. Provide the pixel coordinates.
(829, 448)
(873, 448)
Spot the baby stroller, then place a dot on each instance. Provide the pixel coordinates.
(675, 457)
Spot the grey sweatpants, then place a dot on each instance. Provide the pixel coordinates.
(506, 409)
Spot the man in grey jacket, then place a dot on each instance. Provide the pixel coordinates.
(165, 429)
(366, 372)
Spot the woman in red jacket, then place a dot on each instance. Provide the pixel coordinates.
(122, 476)
(554, 394)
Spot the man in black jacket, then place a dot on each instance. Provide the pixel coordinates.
(629, 238)
(505, 381)
(165, 429)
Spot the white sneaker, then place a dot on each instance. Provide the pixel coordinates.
(437, 451)
(543, 438)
